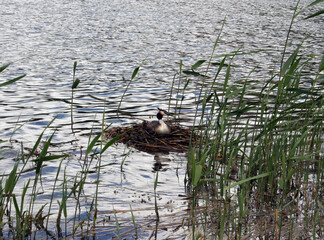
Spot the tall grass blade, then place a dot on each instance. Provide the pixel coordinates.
(50, 158)
(135, 72)
(134, 222)
(197, 64)
(289, 61)
(75, 83)
(155, 197)
(198, 171)
(12, 81)
(39, 139)
(321, 66)
(91, 145)
(111, 142)
(11, 180)
(3, 67)
(127, 86)
(315, 2)
(315, 14)
(117, 225)
(40, 160)
(247, 180)
(287, 38)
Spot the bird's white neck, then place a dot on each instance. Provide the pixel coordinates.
(163, 128)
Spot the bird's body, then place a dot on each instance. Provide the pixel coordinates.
(159, 127)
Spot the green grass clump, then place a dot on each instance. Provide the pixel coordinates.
(255, 167)
(260, 150)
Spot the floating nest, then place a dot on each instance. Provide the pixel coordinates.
(143, 138)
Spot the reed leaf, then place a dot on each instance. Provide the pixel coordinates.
(289, 62)
(117, 225)
(39, 139)
(294, 147)
(11, 180)
(12, 81)
(315, 2)
(315, 14)
(24, 194)
(134, 222)
(247, 180)
(127, 86)
(111, 142)
(193, 73)
(18, 212)
(75, 83)
(321, 66)
(3, 67)
(49, 158)
(135, 72)
(197, 64)
(91, 145)
(198, 171)
(41, 159)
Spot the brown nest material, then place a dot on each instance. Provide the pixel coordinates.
(142, 138)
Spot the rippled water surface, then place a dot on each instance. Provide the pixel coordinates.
(109, 39)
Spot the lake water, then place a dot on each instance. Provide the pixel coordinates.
(109, 39)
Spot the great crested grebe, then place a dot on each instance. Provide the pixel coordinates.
(160, 127)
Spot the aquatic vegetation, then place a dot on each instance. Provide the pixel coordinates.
(75, 83)
(11, 81)
(260, 152)
(255, 160)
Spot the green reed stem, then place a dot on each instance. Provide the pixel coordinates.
(126, 89)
